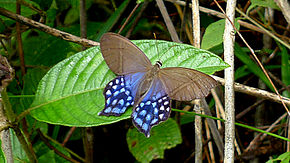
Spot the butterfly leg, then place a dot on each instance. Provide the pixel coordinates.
(151, 112)
(118, 97)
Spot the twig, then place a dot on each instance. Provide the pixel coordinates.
(197, 107)
(210, 147)
(47, 29)
(68, 135)
(19, 40)
(167, 21)
(68, 150)
(255, 91)
(83, 19)
(257, 28)
(213, 128)
(128, 18)
(187, 30)
(43, 138)
(144, 6)
(88, 143)
(254, 55)
(285, 8)
(229, 40)
(260, 137)
(245, 111)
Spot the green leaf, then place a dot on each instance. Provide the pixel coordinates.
(213, 35)
(2, 155)
(18, 152)
(112, 20)
(11, 6)
(241, 71)
(283, 158)
(285, 69)
(73, 14)
(49, 50)
(50, 155)
(164, 136)
(251, 65)
(71, 92)
(42, 150)
(263, 3)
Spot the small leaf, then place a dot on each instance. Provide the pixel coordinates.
(18, 152)
(263, 3)
(71, 92)
(214, 33)
(285, 69)
(164, 136)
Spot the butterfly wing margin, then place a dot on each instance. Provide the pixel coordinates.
(122, 56)
(186, 84)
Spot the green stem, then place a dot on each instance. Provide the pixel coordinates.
(9, 113)
(236, 123)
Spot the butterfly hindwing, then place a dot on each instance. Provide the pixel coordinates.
(117, 97)
(120, 93)
(153, 109)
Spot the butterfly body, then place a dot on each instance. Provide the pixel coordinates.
(146, 87)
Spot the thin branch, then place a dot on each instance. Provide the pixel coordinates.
(168, 22)
(254, 55)
(144, 6)
(255, 91)
(43, 138)
(197, 107)
(257, 28)
(19, 40)
(213, 128)
(285, 8)
(262, 136)
(229, 40)
(128, 18)
(47, 29)
(68, 135)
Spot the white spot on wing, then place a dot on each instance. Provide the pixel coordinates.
(114, 87)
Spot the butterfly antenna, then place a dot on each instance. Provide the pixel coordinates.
(156, 45)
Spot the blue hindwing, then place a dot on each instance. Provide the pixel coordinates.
(117, 97)
(153, 109)
(120, 93)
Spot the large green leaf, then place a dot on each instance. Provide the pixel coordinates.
(164, 136)
(49, 50)
(71, 92)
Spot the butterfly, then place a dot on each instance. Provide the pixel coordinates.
(146, 87)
